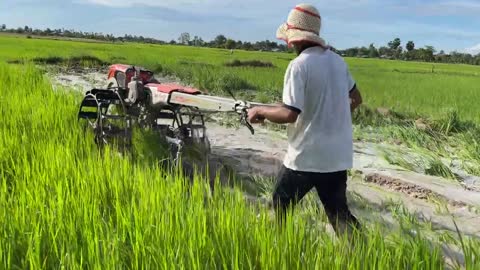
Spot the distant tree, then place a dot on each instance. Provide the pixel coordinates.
(4, 27)
(172, 42)
(220, 41)
(284, 48)
(351, 52)
(247, 46)
(410, 46)
(428, 54)
(477, 59)
(397, 54)
(195, 41)
(184, 38)
(372, 51)
(238, 44)
(430, 49)
(455, 57)
(363, 51)
(260, 46)
(230, 44)
(394, 44)
(384, 51)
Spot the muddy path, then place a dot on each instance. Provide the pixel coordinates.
(374, 186)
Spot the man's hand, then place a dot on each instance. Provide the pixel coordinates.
(255, 115)
(277, 114)
(355, 99)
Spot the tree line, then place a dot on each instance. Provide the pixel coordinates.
(395, 50)
(392, 50)
(219, 41)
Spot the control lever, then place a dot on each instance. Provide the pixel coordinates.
(244, 120)
(241, 108)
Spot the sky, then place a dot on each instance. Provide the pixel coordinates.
(447, 25)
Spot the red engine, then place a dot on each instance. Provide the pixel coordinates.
(123, 74)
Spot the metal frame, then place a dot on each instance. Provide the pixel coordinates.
(179, 104)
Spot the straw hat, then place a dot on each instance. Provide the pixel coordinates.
(303, 24)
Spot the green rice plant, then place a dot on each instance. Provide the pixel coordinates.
(149, 147)
(436, 167)
(415, 138)
(231, 82)
(401, 160)
(419, 161)
(451, 123)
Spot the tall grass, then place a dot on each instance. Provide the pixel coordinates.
(65, 205)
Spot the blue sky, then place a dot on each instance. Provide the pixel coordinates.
(446, 24)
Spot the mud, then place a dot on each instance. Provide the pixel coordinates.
(80, 81)
(83, 80)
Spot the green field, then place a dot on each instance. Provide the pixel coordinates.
(408, 87)
(63, 205)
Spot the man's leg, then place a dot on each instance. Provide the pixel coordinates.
(332, 188)
(290, 188)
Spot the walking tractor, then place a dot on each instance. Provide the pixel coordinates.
(133, 97)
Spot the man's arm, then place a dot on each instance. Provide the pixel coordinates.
(355, 98)
(280, 114)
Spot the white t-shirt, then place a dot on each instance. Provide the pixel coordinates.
(317, 83)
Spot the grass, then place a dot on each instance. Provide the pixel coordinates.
(419, 161)
(65, 205)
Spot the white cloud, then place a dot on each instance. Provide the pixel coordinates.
(158, 3)
(254, 3)
(232, 5)
(234, 8)
(442, 8)
(473, 50)
(210, 5)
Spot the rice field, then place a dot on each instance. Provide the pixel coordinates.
(409, 87)
(65, 205)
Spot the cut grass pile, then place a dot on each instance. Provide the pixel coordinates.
(65, 205)
(71, 62)
(248, 63)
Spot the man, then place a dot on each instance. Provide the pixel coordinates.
(318, 97)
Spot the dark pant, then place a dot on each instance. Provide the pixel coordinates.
(292, 186)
